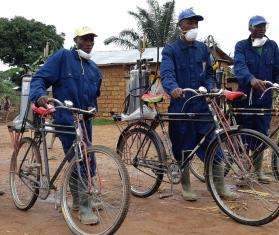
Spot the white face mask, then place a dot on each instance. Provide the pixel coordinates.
(191, 35)
(259, 42)
(84, 55)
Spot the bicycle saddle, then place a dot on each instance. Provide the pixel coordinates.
(234, 95)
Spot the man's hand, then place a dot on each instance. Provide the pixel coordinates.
(42, 102)
(87, 116)
(257, 84)
(177, 93)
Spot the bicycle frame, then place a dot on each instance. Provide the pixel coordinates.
(255, 112)
(40, 137)
(164, 117)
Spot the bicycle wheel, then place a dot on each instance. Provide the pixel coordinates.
(275, 165)
(107, 193)
(143, 153)
(254, 202)
(25, 174)
(197, 168)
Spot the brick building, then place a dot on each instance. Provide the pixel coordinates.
(115, 67)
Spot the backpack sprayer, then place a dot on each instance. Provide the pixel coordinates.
(25, 119)
(139, 85)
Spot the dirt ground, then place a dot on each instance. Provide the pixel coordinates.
(146, 216)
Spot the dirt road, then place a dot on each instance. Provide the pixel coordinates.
(146, 216)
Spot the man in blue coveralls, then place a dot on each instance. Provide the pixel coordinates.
(75, 77)
(186, 64)
(256, 60)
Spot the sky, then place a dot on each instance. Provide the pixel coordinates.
(227, 20)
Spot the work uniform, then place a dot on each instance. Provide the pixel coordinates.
(186, 66)
(261, 63)
(72, 78)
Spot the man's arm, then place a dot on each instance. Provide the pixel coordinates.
(45, 76)
(275, 69)
(167, 71)
(100, 78)
(209, 79)
(241, 70)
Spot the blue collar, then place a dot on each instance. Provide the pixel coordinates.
(249, 41)
(75, 53)
(184, 46)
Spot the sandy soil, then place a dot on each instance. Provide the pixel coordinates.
(146, 216)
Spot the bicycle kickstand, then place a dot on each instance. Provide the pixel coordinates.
(167, 194)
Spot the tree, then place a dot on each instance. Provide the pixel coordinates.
(6, 86)
(157, 23)
(22, 41)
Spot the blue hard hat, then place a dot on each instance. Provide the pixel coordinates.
(256, 20)
(189, 14)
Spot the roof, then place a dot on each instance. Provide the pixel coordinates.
(221, 54)
(124, 56)
(121, 57)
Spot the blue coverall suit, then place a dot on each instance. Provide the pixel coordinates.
(72, 78)
(249, 63)
(186, 66)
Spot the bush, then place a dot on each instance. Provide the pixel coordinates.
(6, 89)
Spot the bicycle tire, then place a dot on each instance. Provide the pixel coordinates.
(123, 174)
(196, 172)
(12, 179)
(275, 164)
(160, 155)
(222, 203)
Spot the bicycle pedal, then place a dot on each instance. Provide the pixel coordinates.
(58, 207)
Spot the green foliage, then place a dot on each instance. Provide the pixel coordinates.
(22, 41)
(157, 23)
(101, 121)
(14, 75)
(6, 89)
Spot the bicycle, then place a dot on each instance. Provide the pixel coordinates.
(93, 173)
(147, 160)
(232, 113)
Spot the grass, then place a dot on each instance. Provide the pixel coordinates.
(102, 121)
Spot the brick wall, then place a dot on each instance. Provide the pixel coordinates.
(113, 89)
(114, 86)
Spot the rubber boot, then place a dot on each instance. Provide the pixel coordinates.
(96, 203)
(187, 192)
(73, 184)
(258, 162)
(86, 215)
(222, 189)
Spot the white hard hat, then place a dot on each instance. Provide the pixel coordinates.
(84, 31)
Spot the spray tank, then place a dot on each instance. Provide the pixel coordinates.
(25, 111)
(139, 82)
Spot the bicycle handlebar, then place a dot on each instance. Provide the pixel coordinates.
(273, 86)
(69, 106)
(202, 91)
